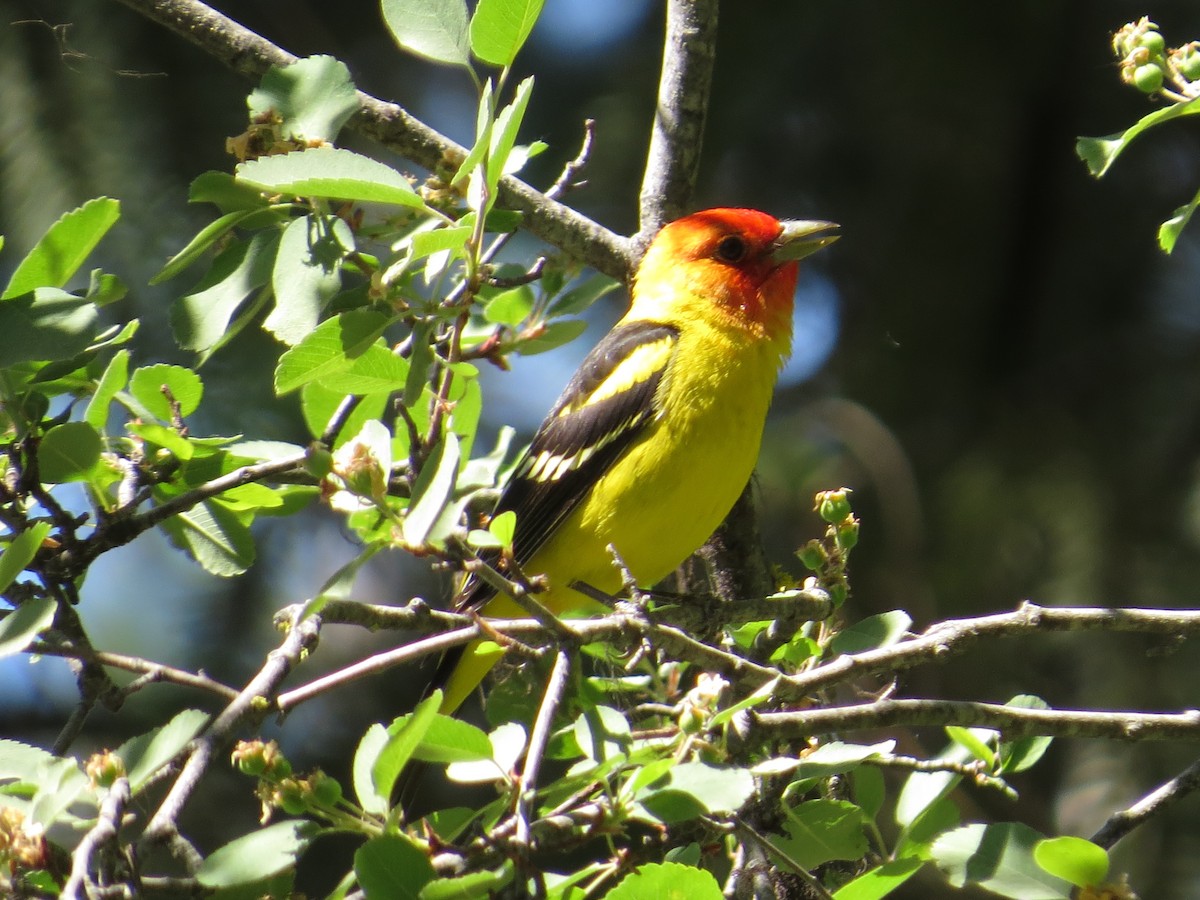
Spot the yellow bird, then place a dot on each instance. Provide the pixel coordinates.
(657, 433)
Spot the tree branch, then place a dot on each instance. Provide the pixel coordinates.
(251, 55)
(1156, 802)
(1013, 722)
(673, 161)
(105, 831)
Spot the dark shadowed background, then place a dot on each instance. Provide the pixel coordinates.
(996, 357)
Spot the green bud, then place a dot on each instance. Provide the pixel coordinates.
(326, 790)
(1148, 78)
(813, 556)
(292, 797)
(833, 506)
(318, 462)
(1153, 41)
(847, 534)
(1189, 64)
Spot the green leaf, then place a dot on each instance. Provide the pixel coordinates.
(602, 733)
(504, 135)
(1169, 231)
(868, 790)
(998, 857)
(365, 756)
(433, 488)
(404, 735)
(68, 452)
(976, 741)
(20, 552)
(318, 404)
(377, 370)
(214, 536)
(60, 784)
(934, 820)
(45, 324)
(391, 867)
(508, 743)
(64, 248)
(332, 173)
(1023, 753)
(339, 585)
(1100, 153)
(425, 243)
(667, 881)
(821, 830)
(19, 628)
(223, 191)
(834, 758)
(554, 335)
(880, 882)
(185, 386)
(583, 295)
(307, 274)
(164, 437)
(1073, 859)
(499, 28)
(435, 30)
(330, 349)
(202, 242)
(473, 886)
(256, 855)
(510, 307)
(314, 97)
(21, 762)
(503, 527)
(449, 740)
(871, 633)
(145, 754)
(711, 789)
(114, 379)
(104, 289)
(483, 135)
(201, 318)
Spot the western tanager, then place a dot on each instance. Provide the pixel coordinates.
(657, 433)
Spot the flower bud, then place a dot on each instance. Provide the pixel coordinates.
(833, 506)
(103, 769)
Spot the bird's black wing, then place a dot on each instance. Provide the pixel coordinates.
(602, 410)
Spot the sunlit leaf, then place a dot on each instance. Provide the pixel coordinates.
(63, 248)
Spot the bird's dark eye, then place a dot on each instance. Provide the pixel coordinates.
(732, 249)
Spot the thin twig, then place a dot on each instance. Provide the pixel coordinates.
(105, 831)
(1155, 803)
(539, 737)
(251, 705)
(152, 671)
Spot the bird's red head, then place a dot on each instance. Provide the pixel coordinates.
(741, 260)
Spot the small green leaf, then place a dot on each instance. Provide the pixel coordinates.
(583, 295)
(554, 335)
(201, 318)
(224, 192)
(871, 633)
(998, 857)
(437, 240)
(1023, 753)
(314, 97)
(373, 741)
(45, 324)
(510, 307)
(667, 881)
(20, 552)
(483, 135)
(432, 490)
(435, 30)
(19, 628)
(504, 135)
(145, 754)
(307, 274)
(473, 886)
(114, 379)
(880, 882)
(1100, 153)
(332, 173)
(703, 789)
(822, 830)
(256, 855)
(339, 585)
(214, 536)
(503, 527)
(1169, 231)
(377, 370)
(499, 28)
(201, 243)
(449, 740)
(64, 247)
(330, 349)
(405, 734)
(1074, 859)
(391, 867)
(185, 386)
(976, 741)
(508, 743)
(68, 452)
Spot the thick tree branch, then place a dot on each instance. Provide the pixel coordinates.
(673, 162)
(251, 55)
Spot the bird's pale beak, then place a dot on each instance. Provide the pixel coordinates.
(801, 238)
